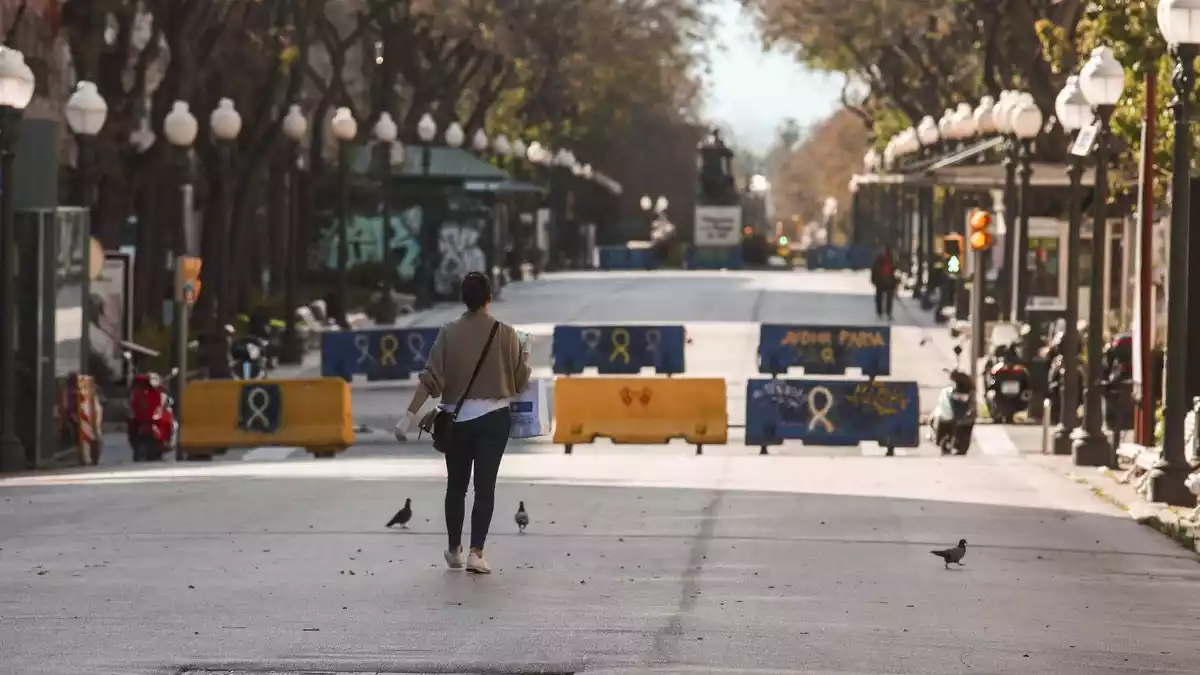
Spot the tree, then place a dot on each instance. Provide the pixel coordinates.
(820, 167)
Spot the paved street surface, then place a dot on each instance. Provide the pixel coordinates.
(640, 559)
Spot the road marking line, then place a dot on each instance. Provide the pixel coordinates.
(269, 454)
(992, 439)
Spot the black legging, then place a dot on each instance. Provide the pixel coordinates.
(481, 442)
(884, 296)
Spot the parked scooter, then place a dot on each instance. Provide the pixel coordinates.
(1007, 383)
(152, 428)
(1117, 385)
(248, 357)
(1056, 380)
(953, 418)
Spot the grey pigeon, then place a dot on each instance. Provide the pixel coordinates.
(403, 515)
(521, 518)
(953, 555)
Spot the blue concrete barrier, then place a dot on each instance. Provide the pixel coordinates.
(831, 257)
(824, 350)
(618, 350)
(626, 258)
(714, 258)
(832, 412)
(378, 353)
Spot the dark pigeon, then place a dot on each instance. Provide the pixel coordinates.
(953, 555)
(521, 518)
(402, 516)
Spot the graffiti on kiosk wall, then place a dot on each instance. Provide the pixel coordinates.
(366, 244)
(460, 250)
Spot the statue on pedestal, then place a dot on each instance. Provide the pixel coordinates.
(717, 186)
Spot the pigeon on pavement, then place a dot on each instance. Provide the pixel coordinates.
(521, 518)
(403, 515)
(953, 555)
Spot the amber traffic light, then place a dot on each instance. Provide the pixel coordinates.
(981, 237)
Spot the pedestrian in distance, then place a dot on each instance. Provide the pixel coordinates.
(883, 277)
(476, 365)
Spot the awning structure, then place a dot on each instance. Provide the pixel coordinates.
(502, 187)
(958, 170)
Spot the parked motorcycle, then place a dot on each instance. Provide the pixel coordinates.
(1007, 382)
(248, 358)
(1117, 385)
(151, 428)
(1057, 377)
(953, 418)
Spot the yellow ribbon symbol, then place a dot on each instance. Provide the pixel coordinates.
(388, 344)
(620, 341)
(820, 415)
(827, 354)
(416, 343)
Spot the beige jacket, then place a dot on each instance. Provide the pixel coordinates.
(456, 351)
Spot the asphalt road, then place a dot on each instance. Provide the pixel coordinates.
(809, 561)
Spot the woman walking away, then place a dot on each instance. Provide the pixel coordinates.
(475, 366)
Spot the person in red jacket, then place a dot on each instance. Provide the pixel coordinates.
(883, 277)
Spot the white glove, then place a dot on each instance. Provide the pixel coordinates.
(403, 426)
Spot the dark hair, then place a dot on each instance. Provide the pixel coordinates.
(476, 290)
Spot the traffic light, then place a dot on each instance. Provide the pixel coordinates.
(981, 238)
(952, 247)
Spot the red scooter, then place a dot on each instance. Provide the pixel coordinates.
(152, 428)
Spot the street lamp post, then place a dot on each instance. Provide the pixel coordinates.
(226, 125)
(16, 91)
(295, 128)
(1179, 21)
(1102, 81)
(386, 132)
(86, 113)
(181, 127)
(426, 130)
(345, 129)
(1026, 123)
(1074, 113)
(1001, 116)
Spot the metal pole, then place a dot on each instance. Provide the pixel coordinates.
(1010, 212)
(1091, 448)
(343, 250)
(1145, 427)
(977, 323)
(425, 256)
(924, 239)
(389, 264)
(1167, 477)
(1069, 418)
(12, 452)
(1021, 240)
(292, 349)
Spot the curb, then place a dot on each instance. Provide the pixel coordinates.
(1167, 520)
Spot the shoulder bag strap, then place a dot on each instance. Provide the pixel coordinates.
(478, 366)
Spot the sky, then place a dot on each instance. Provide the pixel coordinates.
(754, 92)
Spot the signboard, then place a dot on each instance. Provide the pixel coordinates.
(824, 350)
(618, 349)
(832, 412)
(1084, 140)
(718, 225)
(111, 312)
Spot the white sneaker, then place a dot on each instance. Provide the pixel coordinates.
(476, 564)
(454, 558)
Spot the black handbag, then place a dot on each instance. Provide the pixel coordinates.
(442, 425)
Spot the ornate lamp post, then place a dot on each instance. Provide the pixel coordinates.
(86, 113)
(1102, 81)
(181, 127)
(1179, 21)
(1026, 123)
(479, 142)
(1003, 122)
(426, 130)
(226, 125)
(295, 128)
(16, 91)
(1074, 113)
(390, 152)
(345, 129)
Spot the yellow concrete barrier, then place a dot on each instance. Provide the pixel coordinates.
(312, 414)
(640, 410)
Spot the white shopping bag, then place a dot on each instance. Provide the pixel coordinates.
(530, 410)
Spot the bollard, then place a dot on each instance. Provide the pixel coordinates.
(1046, 427)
